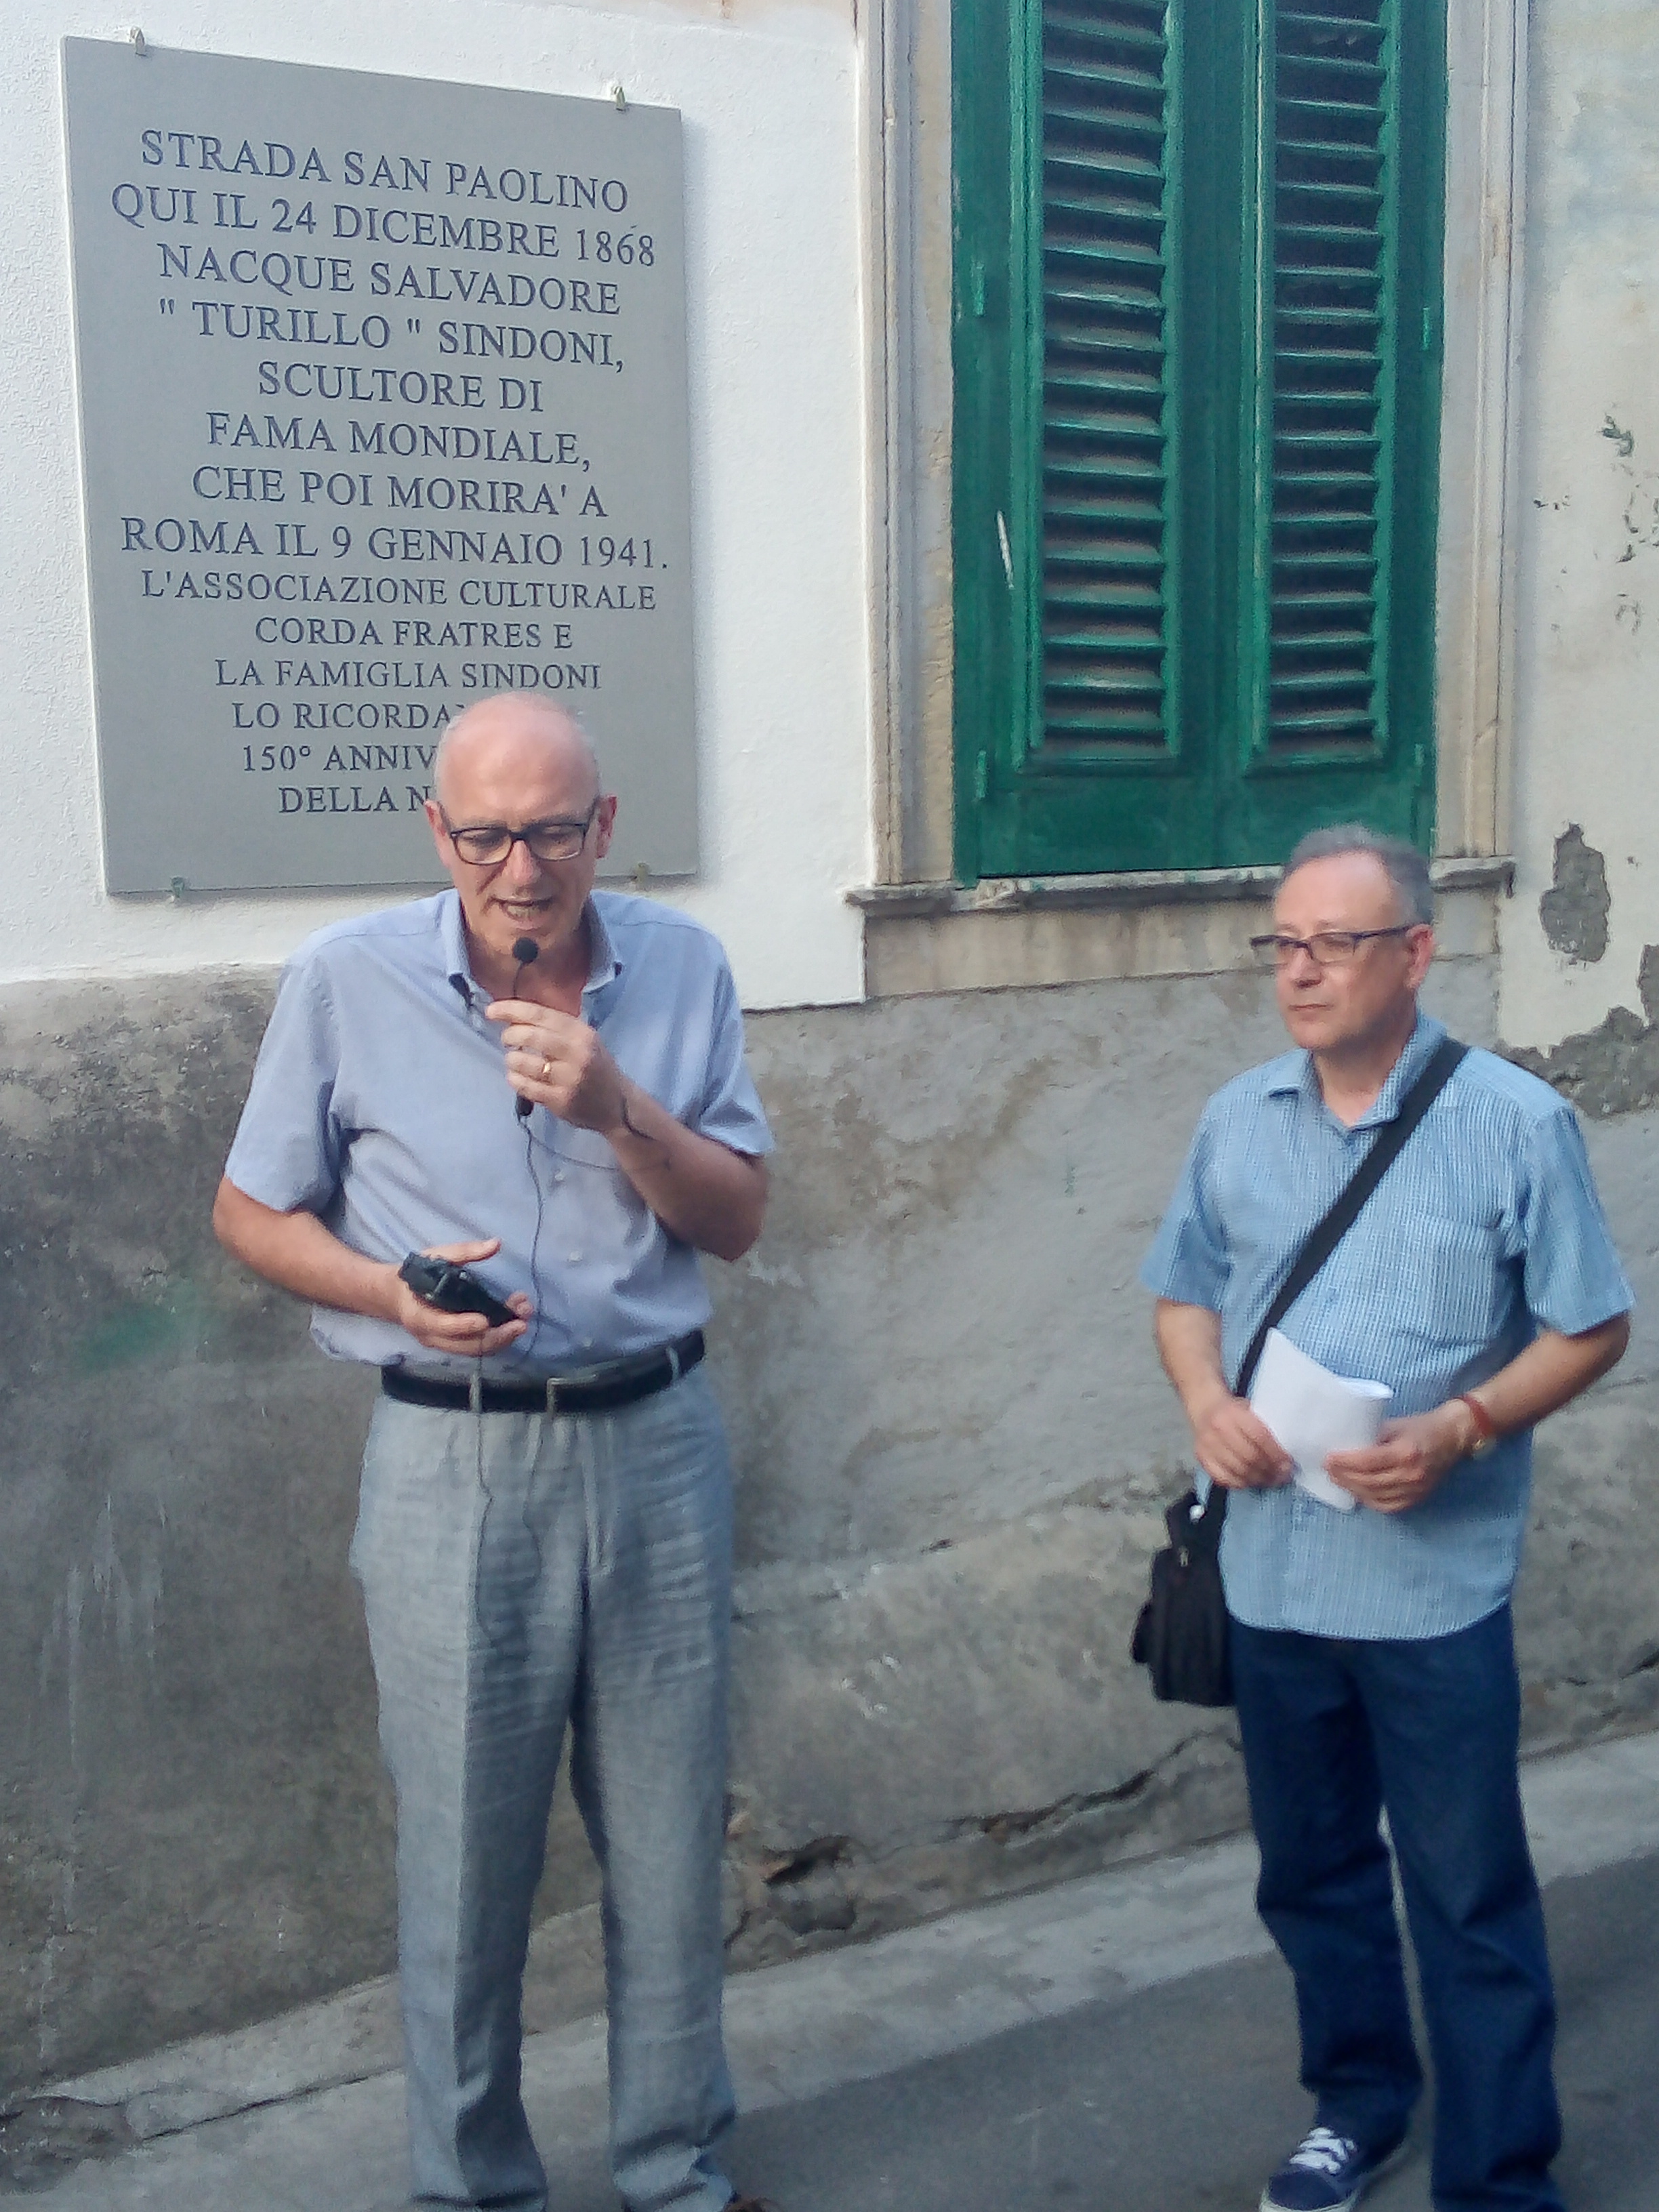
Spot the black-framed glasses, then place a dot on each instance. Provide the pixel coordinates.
(1327, 948)
(484, 844)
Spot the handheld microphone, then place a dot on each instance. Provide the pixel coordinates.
(524, 952)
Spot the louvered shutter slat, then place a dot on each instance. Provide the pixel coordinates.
(1129, 29)
(1105, 300)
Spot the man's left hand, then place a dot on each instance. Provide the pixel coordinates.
(702, 1191)
(1407, 1462)
(555, 1060)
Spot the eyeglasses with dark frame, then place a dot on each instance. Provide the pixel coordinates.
(485, 844)
(1327, 948)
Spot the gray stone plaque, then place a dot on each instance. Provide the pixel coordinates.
(384, 409)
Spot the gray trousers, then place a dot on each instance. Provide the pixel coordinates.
(583, 1578)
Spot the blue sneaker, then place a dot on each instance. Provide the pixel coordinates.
(1327, 2173)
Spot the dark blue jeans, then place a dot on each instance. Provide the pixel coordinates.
(1335, 1731)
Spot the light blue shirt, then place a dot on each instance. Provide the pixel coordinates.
(1485, 1229)
(380, 1103)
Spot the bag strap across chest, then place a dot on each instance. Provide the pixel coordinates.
(1334, 1226)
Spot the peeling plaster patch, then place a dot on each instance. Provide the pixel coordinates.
(1574, 911)
(1641, 516)
(1625, 439)
(1647, 982)
(1612, 1068)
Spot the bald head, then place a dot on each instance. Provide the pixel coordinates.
(513, 763)
(514, 735)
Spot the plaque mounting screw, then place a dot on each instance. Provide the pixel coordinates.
(138, 46)
(620, 99)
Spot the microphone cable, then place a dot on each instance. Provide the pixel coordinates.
(526, 951)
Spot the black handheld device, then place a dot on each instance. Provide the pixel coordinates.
(453, 1289)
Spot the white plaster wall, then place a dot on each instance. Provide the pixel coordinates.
(768, 96)
(1587, 675)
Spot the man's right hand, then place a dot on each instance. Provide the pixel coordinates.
(1232, 1446)
(297, 1253)
(465, 1335)
(1238, 1450)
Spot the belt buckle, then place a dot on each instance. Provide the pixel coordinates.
(612, 1371)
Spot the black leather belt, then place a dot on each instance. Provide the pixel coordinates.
(584, 1391)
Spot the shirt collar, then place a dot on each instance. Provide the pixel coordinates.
(452, 937)
(1298, 1074)
(603, 965)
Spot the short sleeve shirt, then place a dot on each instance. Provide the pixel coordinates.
(1485, 1229)
(380, 1102)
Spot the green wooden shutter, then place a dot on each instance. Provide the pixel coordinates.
(1196, 442)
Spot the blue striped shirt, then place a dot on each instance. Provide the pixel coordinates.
(1485, 1229)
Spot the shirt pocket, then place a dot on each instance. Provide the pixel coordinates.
(614, 1219)
(1455, 1287)
(579, 1148)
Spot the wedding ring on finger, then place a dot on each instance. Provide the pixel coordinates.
(547, 1071)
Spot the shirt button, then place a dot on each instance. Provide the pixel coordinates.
(574, 1257)
(558, 1174)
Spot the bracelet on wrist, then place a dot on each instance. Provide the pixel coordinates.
(1486, 1429)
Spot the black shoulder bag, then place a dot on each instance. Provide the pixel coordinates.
(1180, 1637)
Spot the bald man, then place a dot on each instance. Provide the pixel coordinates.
(544, 1083)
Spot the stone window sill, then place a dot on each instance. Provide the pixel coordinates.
(1153, 887)
(1015, 933)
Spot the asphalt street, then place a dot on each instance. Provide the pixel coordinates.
(1182, 2099)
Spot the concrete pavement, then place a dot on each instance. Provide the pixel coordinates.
(1126, 2042)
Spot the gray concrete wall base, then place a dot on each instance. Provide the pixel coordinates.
(951, 1444)
(958, 1725)
(1587, 1609)
(194, 1829)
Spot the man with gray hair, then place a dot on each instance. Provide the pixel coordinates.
(1372, 1654)
(546, 1083)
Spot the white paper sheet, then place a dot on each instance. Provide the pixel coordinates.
(1314, 1413)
